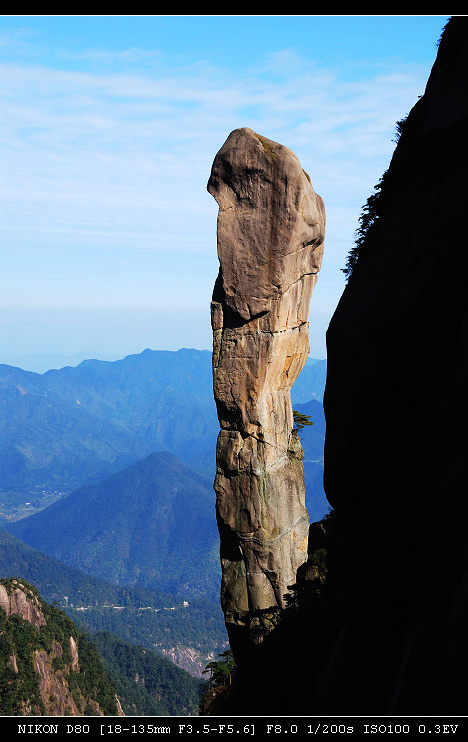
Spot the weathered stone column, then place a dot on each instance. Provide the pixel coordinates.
(271, 227)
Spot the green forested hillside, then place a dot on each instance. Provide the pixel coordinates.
(77, 684)
(65, 585)
(136, 616)
(188, 635)
(147, 684)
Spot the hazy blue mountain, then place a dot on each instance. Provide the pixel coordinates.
(51, 444)
(76, 425)
(151, 525)
(42, 362)
(64, 428)
(311, 382)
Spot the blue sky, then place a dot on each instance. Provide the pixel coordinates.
(108, 130)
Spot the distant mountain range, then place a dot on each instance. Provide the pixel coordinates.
(42, 362)
(313, 440)
(66, 428)
(139, 516)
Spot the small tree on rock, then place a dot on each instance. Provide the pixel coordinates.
(221, 670)
(300, 419)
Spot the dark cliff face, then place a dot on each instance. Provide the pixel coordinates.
(388, 635)
(396, 449)
(397, 341)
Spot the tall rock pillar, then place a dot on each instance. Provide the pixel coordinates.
(271, 227)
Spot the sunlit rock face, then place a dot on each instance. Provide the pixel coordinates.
(271, 227)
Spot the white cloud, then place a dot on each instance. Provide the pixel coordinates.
(116, 164)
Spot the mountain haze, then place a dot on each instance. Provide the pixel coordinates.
(64, 428)
(69, 427)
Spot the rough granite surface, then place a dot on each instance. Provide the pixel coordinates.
(271, 227)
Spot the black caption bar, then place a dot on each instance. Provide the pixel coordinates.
(132, 727)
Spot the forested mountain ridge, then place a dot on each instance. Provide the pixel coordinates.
(186, 632)
(47, 666)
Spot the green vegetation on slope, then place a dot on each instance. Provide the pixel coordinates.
(148, 684)
(20, 640)
(137, 615)
(370, 215)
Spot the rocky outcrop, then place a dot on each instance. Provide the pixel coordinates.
(21, 602)
(53, 685)
(188, 658)
(271, 228)
(40, 668)
(397, 341)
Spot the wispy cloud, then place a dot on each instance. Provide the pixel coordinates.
(116, 163)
